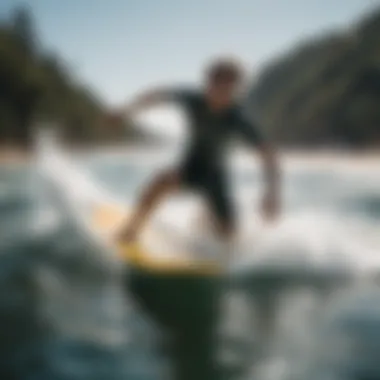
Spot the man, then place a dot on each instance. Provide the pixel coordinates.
(215, 116)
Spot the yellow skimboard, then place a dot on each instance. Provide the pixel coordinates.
(107, 219)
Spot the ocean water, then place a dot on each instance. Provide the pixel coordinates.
(313, 312)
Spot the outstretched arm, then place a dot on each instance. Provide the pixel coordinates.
(147, 100)
(271, 169)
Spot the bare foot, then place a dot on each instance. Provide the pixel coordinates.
(128, 235)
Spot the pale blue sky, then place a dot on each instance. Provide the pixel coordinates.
(120, 46)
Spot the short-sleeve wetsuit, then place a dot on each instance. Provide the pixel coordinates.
(203, 165)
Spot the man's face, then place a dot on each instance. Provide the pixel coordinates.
(221, 91)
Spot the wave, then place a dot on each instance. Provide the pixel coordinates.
(309, 243)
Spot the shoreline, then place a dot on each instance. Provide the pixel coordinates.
(300, 156)
(14, 156)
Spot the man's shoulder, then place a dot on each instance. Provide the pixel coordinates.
(191, 93)
(187, 93)
(239, 111)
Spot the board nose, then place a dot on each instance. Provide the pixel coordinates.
(107, 217)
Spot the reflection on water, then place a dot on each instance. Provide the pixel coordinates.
(65, 315)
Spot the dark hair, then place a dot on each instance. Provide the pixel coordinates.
(224, 69)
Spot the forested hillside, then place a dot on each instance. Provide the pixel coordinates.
(325, 91)
(36, 88)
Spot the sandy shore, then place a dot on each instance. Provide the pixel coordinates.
(336, 156)
(288, 157)
(14, 156)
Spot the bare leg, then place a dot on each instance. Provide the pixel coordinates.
(222, 217)
(224, 230)
(162, 185)
(227, 234)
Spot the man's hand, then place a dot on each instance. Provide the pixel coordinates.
(270, 207)
(115, 118)
(121, 116)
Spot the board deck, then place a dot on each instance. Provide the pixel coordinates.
(107, 219)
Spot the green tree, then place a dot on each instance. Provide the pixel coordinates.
(37, 87)
(325, 91)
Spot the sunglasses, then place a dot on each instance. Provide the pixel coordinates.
(223, 79)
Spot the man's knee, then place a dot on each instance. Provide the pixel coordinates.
(227, 227)
(166, 180)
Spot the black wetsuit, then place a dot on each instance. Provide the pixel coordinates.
(203, 165)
